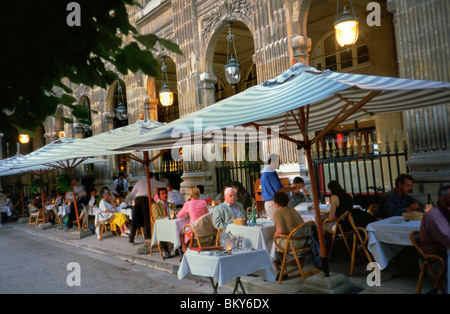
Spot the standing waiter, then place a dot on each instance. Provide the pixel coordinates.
(270, 184)
(140, 215)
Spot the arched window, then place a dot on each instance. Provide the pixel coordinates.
(219, 90)
(328, 55)
(251, 77)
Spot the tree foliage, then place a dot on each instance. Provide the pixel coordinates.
(40, 49)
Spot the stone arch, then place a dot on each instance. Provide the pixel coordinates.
(303, 17)
(111, 102)
(220, 27)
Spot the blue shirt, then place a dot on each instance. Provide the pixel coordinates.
(270, 183)
(395, 204)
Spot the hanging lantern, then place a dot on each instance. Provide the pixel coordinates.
(24, 138)
(232, 69)
(346, 27)
(121, 110)
(165, 95)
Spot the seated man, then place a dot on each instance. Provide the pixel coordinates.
(286, 219)
(397, 201)
(225, 212)
(175, 197)
(435, 226)
(6, 206)
(160, 210)
(299, 195)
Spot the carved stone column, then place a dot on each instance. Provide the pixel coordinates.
(420, 28)
(301, 46)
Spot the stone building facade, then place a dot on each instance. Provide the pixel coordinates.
(411, 41)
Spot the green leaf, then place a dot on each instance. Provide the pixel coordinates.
(148, 41)
(170, 46)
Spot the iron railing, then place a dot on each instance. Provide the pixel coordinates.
(245, 172)
(366, 177)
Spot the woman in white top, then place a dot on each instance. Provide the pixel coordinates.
(118, 219)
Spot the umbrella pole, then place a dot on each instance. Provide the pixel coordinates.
(149, 187)
(43, 205)
(75, 205)
(23, 206)
(312, 177)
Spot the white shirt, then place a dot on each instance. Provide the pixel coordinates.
(235, 210)
(141, 188)
(106, 206)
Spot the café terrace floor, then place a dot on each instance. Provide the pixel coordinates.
(393, 280)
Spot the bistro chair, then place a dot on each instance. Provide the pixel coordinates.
(152, 223)
(104, 228)
(142, 231)
(338, 232)
(360, 239)
(198, 240)
(36, 216)
(295, 243)
(436, 266)
(375, 210)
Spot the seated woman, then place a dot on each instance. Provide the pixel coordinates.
(118, 219)
(195, 208)
(243, 196)
(340, 202)
(286, 219)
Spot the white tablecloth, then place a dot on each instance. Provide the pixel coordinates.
(256, 237)
(168, 230)
(226, 267)
(63, 210)
(124, 210)
(389, 236)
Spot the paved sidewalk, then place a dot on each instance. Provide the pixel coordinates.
(118, 247)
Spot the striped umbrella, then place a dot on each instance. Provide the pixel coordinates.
(300, 100)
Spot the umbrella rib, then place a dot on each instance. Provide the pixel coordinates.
(135, 158)
(342, 115)
(285, 121)
(351, 103)
(257, 126)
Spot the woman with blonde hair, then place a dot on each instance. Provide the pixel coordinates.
(195, 208)
(117, 220)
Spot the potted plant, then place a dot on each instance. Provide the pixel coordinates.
(37, 185)
(63, 183)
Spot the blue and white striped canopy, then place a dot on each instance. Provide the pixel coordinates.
(67, 152)
(270, 104)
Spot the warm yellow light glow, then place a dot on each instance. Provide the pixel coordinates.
(166, 98)
(346, 32)
(62, 134)
(24, 138)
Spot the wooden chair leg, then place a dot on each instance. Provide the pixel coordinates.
(353, 255)
(421, 275)
(283, 265)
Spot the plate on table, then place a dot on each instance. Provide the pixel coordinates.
(304, 207)
(396, 220)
